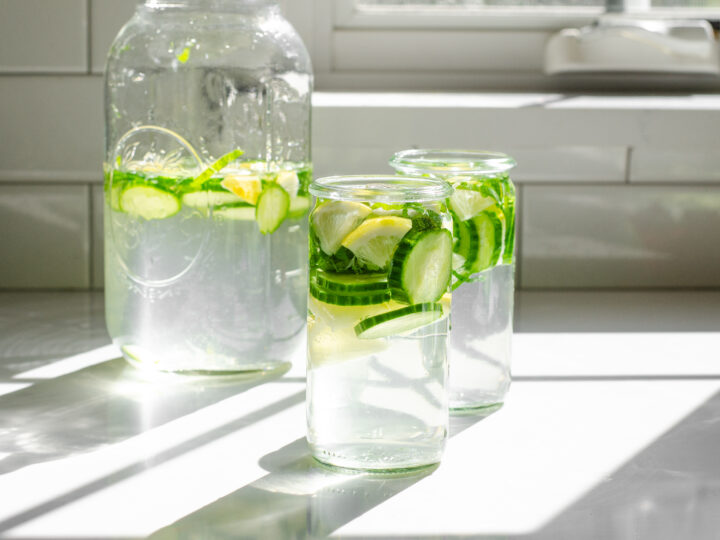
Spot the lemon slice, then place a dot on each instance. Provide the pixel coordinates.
(467, 203)
(289, 181)
(334, 220)
(327, 346)
(375, 240)
(247, 187)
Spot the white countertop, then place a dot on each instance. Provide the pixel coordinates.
(610, 431)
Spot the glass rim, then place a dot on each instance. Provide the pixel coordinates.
(449, 161)
(381, 188)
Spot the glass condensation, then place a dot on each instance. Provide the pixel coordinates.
(378, 308)
(206, 186)
(483, 211)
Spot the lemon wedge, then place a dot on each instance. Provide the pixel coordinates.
(288, 180)
(375, 240)
(247, 187)
(334, 220)
(467, 203)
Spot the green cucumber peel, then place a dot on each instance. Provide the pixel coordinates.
(341, 299)
(399, 321)
(509, 249)
(350, 283)
(216, 167)
(468, 246)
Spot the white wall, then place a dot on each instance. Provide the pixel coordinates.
(615, 192)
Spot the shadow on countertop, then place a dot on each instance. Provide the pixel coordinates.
(669, 490)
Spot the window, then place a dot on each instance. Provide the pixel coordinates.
(473, 44)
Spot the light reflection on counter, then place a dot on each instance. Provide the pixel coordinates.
(605, 435)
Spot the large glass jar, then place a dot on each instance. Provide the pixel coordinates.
(379, 303)
(483, 210)
(206, 186)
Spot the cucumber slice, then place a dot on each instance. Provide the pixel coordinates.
(272, 208)
(467, 203)
(468, 246)
(343, 299)
(375, 240)
(149, 202)
(399, 321)
(490, 227)
(334, 220)
(299, 206)
(422, 266)
(205, 199)
(115, 194)
(350, 283)
(456, 229)
(480, 242)
(235, 213)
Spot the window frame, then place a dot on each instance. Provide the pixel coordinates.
(386, 49)
(347, 15)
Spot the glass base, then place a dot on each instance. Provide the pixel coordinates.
(251, 370)
(475, 410)
(377, 458)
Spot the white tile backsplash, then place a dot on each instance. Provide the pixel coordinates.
(570, 164)
(43, 36)
(45, 240)
(52, 128)
(672, 165)
(631, 211)
(575, 164)
(107, 18)
(620, 236)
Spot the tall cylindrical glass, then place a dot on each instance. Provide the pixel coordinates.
(483, 210)
(207, 171)
(378, 308)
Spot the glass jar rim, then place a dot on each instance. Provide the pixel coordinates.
(440, 161)
(231, 5)
(381, 188)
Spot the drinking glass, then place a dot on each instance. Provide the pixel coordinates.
(483, 210)
(378, 308)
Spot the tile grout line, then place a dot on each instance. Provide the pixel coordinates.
(628, 163)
